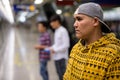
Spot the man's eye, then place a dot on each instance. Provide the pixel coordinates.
(78, 19)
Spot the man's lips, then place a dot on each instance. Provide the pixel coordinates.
(76, 31)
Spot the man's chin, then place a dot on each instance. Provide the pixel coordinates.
(78, 36)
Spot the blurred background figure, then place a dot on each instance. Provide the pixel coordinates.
(60, 46)
(44, 56)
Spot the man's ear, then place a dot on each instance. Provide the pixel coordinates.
(96, 21)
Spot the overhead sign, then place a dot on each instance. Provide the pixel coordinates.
(23, 7)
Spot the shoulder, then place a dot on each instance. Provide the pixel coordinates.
(47, 33)
(63, 29)
(114, 48)
(111, 51)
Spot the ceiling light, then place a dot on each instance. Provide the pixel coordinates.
(59, 11)
(38, 1)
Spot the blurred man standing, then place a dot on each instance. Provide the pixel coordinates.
(44, 41)
(60, 46)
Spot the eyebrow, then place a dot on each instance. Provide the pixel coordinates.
(78, 17)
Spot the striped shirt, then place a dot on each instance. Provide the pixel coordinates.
(44, 39)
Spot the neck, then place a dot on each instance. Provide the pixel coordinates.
(58, 26)
(92, 38)
(43, 31)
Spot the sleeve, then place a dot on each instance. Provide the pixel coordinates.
(47, 40)
(113, 72)
(65, 43)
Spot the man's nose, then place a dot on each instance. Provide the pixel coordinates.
(75, 24)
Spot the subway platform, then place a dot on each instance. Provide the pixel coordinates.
(20, 59)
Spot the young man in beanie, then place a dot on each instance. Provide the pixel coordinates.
(96, 56)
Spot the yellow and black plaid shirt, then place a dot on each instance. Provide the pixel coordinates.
(97, 61)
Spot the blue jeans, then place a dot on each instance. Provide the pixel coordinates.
(60, 67)
(43, 70)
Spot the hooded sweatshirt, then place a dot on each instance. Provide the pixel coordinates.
(98, 61)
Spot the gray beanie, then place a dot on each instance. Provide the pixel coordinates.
(93, 10)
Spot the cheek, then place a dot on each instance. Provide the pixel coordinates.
(82, 26)
(52, 25)
(84, 29)
(40, 29)
(85, 26)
